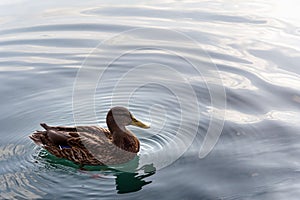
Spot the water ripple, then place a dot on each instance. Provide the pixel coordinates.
(68, 27)
(58, 42)
(154, 12)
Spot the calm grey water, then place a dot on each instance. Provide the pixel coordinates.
(254, 44)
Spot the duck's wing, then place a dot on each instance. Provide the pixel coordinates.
(73, 143)
(59, 135)
(90, 129)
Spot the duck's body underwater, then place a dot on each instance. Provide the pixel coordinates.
(93, 145)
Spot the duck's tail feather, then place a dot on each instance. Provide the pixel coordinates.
(45, 126)
(37, 137)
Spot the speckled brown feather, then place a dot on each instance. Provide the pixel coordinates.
(87, 145)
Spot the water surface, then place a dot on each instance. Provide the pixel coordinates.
(254, 45)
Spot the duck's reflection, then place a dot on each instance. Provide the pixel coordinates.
(132, 182)
(128, 177)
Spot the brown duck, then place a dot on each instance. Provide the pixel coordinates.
(93, 145)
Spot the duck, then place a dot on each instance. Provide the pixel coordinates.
(93, 145)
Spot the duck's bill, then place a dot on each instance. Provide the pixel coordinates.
(138, 123)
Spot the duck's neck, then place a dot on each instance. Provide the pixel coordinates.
(122, 137)
(113, 126)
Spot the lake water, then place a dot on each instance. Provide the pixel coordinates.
(217, 80)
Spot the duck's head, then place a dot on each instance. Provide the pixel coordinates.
(119, 117)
